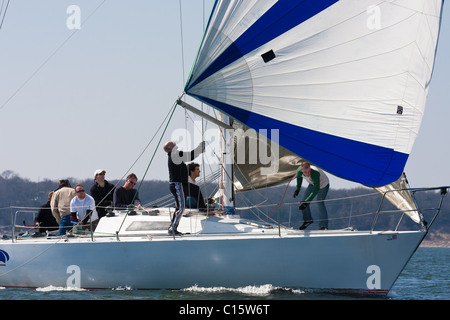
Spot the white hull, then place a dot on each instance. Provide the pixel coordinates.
(235, 255)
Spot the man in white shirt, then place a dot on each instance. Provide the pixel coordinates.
(82, 208)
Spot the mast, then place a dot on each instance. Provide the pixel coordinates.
(226, 185)
(226, 182)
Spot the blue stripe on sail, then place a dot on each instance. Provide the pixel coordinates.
(281, 17)
(367, 164)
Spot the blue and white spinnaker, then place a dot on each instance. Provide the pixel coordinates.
(344, 81)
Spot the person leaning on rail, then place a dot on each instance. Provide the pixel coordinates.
(318, 186)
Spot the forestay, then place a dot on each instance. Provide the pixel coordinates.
(345, 82)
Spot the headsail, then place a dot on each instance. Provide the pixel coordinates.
(250, 173)
(398, 194)
(344, 81)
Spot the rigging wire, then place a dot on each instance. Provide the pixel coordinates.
(202, 105)
(169, 116)
(187, 116)
(282, 199)
(3, 13)
(46, 61)
(182, 43)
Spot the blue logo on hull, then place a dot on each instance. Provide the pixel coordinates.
(4, 257)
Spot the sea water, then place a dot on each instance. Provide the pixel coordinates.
(426, 277)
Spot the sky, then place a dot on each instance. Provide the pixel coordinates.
(76, 100)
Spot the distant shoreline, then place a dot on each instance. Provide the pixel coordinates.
(435, 244)
(438, 240)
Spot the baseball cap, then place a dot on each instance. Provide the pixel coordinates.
(99, 171)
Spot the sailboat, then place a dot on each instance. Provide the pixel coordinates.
(341, 84)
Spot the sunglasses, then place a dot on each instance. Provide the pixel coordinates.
(80, 191)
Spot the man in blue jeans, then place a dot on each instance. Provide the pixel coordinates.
(318, 186)
(60, 206)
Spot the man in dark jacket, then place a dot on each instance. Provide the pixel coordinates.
(178, 177)
(102, 191)
(126, 196)
(194, 194)
(44, 219)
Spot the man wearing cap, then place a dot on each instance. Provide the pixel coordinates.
(102, 191)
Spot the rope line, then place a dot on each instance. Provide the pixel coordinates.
(169, 115)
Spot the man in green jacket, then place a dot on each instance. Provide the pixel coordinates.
(318, 186)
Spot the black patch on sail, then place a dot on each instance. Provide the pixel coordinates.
(268, 56)
(399, 110)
